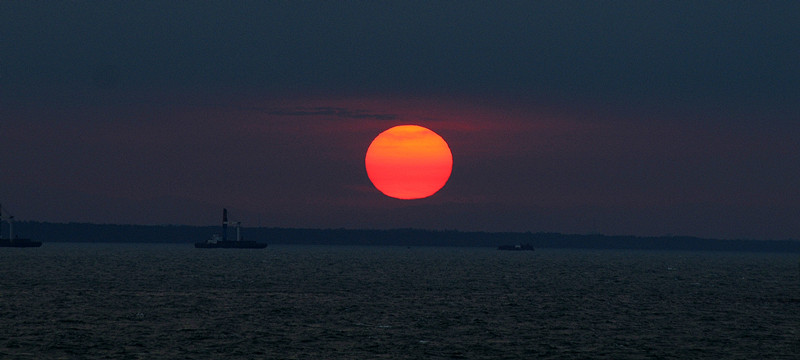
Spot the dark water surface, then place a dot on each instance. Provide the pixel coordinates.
(84, 301)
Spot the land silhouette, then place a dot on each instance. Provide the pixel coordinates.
(180, 234)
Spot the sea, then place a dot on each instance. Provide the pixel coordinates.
(158, 301)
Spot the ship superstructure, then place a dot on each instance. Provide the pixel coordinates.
(13, 240)
(221, 241)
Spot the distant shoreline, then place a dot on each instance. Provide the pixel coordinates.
(175, 234)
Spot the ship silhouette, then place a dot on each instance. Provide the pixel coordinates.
(517, 247)
(13, 241)
(218, 241)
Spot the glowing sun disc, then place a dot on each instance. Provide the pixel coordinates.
(408, 162)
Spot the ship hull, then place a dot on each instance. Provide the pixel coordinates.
(230, 245)
(518, 247)
(20, 243)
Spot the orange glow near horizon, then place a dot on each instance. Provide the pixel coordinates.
(408, 162)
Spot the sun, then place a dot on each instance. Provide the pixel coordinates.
(408, 162)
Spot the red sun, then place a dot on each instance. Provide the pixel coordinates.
(409, 162)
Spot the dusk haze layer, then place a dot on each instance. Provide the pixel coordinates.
(622, 118)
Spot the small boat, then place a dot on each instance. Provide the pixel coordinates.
(517, 247)
(13, 241)
(19, 243)
(218, 241)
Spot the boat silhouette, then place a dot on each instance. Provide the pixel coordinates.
(13, 241)
(517, 247)
(218, 241)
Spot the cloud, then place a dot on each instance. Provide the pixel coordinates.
(337, 112)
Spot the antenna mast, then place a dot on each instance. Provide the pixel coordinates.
(10, 220)
(224, 224)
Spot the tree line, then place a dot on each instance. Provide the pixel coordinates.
(180, 234)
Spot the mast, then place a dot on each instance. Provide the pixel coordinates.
(224, 224)
(10, 220)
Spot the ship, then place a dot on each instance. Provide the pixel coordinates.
(517, 247)
(218, 241)
(12, 240)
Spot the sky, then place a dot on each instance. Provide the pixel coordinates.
(618, 117)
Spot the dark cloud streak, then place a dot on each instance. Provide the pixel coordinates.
(335, 112)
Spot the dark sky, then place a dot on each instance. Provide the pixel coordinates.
(621, 117)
